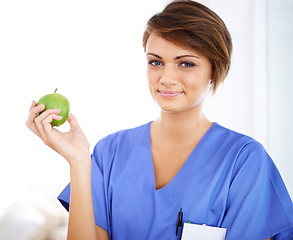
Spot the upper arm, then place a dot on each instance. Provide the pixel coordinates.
(102, 234)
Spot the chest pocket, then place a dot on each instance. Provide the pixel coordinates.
(172, 232)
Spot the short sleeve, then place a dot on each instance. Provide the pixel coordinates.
(99, 191)
(64, 197)
(258, 204)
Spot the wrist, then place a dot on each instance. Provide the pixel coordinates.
(81, 163)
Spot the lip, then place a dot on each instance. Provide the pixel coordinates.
(170, 94)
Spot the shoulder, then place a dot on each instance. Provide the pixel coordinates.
(230, 135)
(244, 149)
(232, 140)
(122, 139)
(126, 135)
(256, 189)
(251, 164)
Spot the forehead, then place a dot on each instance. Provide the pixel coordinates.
(157, 44)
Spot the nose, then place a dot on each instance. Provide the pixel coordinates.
(169, 76)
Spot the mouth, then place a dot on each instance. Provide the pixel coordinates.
(170, 94)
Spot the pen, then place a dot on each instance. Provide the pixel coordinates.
(179, 220)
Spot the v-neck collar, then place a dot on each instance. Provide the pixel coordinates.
(180, 173)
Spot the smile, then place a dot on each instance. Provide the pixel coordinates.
(170, 94)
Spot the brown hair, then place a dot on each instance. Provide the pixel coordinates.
(193, 25)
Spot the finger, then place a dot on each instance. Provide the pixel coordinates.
(33, 104)
(32, 115)
(47, 123)
(46, 130)
(34, 110)
(37, 109)
(39, 121)
(46, 113)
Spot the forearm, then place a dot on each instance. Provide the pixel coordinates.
(81, 214)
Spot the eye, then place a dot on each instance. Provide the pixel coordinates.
(187, 64)
(155, 63)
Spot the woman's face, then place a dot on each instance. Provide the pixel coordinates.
(179, 78)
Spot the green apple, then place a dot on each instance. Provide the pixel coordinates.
(56, 101)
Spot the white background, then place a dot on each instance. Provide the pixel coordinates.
(92, 52)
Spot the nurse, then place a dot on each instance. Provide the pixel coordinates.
(136, 181)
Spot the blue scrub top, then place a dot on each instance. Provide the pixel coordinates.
(228, 181)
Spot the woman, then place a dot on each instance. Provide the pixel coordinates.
(137, 180)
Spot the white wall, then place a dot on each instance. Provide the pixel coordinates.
(240, 104)
(280, 86)
(91, 51)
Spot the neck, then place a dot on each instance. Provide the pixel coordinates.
(179, 126)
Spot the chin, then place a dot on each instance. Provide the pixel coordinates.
(168, 111)
(180, 109)
(172, 109)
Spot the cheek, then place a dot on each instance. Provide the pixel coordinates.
(152, 78)
(152, 91)
(195, 84)
(152, 82)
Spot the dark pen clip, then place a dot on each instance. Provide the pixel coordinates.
(179, 221)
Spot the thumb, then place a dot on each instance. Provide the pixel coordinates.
(72, 121)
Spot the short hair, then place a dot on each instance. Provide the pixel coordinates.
(193, 25)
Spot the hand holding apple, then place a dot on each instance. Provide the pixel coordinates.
(56, 101)
(72, 145)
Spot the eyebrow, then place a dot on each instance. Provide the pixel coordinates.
(155, 55)
(182, 56)
(176, 58)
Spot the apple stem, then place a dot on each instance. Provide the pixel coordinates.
(55, 90)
